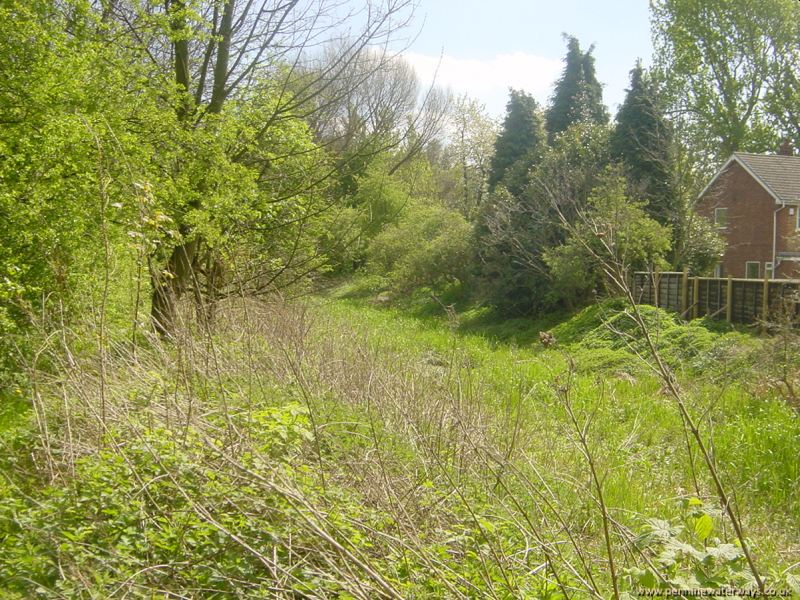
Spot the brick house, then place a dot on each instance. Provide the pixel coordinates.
(754, 201)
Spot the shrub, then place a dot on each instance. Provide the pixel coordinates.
(610, 337)
(429, 246)
(612, 228)
(689, 554)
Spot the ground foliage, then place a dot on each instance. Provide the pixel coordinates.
(433, 447)
(308, 455)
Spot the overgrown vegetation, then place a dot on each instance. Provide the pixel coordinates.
(278, 322)
(300, 452)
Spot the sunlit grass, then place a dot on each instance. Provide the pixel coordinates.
(636, 429)
(438, 437)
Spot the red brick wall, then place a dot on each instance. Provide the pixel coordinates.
(788, 240)
(750, 222)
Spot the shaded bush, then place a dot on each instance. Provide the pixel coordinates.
(429, 246)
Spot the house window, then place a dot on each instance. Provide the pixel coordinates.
(797, 218)
(718, 270)
(752, 269)
(768, 270)
(721, 217)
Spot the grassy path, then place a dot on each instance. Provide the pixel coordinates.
(635, 430)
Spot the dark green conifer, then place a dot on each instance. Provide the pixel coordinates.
(641, 143)
(519, 145)
(578, 96)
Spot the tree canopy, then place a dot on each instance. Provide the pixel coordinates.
(642, 142)
(722, 60)
(519, 144)
(578, 96)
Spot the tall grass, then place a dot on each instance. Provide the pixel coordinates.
(334, 449)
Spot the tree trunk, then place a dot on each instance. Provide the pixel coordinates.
(219, 89)
(169, 285)
(179, 274)
(163, 305)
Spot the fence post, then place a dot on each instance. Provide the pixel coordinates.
(729, 300)
(695, 296)
(765, 298)
(656, 286)
(684, 292)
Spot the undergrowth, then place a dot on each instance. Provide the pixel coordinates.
(336, 449)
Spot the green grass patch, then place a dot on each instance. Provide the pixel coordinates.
(422, 441)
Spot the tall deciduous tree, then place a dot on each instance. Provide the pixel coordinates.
(375, 106)
(641, 142)
(219, 53)
(519, 145)
(578, 96)
(79, 158)
(470, 150)
(783, 98)
(719, 58)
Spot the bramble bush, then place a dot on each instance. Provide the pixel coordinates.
(689, 554)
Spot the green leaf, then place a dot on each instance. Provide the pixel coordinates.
(648, 579)
(726, 552)
(703, 527)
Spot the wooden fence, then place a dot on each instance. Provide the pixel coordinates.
(735, 300)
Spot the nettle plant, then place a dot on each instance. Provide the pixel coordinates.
(686, 553)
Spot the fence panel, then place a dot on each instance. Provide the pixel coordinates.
(737, 300)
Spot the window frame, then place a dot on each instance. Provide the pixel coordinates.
(769, 270)
(747, 269)
(717, 211)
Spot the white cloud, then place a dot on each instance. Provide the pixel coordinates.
(489, 79)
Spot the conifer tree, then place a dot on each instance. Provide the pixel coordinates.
(578, 96)
(641, 143)
(519, 145)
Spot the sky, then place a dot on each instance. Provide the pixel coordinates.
(483, 47)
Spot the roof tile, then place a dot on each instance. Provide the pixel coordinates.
(779, 173)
